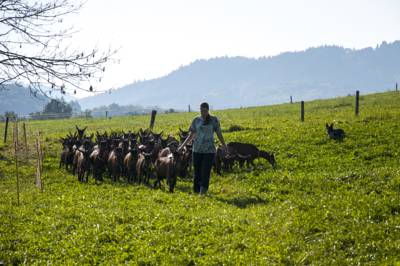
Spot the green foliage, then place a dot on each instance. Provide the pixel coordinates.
(326, 203)
(123, 110)
(57, 107)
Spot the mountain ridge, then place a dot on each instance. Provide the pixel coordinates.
(229, 82)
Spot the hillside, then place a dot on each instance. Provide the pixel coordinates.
(20, 100)
(227, 82)
(326, 203)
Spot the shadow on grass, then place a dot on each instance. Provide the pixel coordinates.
(243, 202)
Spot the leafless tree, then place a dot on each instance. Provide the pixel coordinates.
(33, 53)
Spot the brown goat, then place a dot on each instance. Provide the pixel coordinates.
(250, 150)
(80, 132)
(83, 164)
(67, 154)
(166, 168)
(115, 163)
(77, 149)
(130, 162)
(226, 159)
(98, 159)
(143, 167)
(185, 161)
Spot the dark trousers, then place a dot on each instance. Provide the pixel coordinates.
(202, 163)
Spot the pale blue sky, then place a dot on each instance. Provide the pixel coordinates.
(157, 36)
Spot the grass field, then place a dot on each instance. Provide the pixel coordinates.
(326, 203)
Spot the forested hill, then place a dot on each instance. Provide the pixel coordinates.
(321, 72)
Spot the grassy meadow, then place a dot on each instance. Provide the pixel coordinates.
(326, 203)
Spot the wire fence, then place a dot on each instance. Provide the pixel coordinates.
(26, 150)
(46, 116)
(25, 154)
(96, 114)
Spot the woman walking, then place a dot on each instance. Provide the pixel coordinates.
(202, 132)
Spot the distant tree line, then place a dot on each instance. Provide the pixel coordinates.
(55, 109)
(119, 110)
(59, 108)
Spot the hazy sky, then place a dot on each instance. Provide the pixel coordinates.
(157, 36)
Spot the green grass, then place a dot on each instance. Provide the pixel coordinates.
(326, 203)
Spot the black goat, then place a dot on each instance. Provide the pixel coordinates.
(336, 134)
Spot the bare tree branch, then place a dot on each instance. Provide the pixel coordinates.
(27, 26)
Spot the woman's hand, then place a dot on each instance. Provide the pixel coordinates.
(189, 138)
(179, 148)
(224, 147)
(221, 140)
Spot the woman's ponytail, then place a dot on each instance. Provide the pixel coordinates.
(207, 120)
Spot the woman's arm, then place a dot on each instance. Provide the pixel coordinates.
(221, 138)
(189, 138)
(217, 128)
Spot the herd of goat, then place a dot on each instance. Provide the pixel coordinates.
(144, 155)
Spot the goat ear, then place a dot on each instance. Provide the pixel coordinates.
(84, 128)
(180, 130)
(77, 128)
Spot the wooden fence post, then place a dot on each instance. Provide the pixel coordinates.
(40, 152)
(6, 129)
(16, 155)
(302, 111)
(15, 131)
(189, 108)
(39, 163)
(25, 141)
(291, 99)
(153, 118)
(357, 102)
(396, 86)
